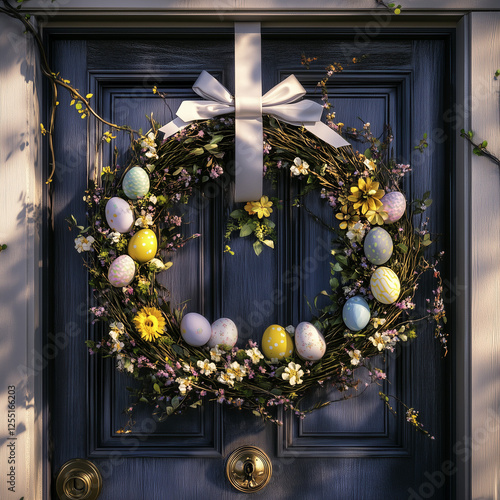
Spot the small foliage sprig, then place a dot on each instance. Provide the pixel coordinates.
(479, 148)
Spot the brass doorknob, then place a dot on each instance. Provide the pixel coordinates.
(248, 469)
(78, 479)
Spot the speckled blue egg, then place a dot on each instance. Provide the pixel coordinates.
(136, 183)
(378, 246)
(356, 313)
(394, 203)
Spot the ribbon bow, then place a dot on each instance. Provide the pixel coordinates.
(279, 102)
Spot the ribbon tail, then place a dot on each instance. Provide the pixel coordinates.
(174, 126)
(325, 133)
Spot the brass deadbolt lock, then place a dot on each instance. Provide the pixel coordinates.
(248, 469)
(78, 479)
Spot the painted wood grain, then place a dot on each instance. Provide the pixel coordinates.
(485, 255)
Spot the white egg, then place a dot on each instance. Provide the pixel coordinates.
(195, 329)
(119, 215)
(309, 342)
(224, 331)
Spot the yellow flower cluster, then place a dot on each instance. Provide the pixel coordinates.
(262, 207)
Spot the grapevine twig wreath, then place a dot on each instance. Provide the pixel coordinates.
(183, 360)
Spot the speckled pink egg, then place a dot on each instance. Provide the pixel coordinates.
(195, 329)
(394, 203)
(121, 271)
(309, 342)
(224, 331)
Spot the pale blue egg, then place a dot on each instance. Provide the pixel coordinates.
(378, 246)
(136, 183)
(356, 313)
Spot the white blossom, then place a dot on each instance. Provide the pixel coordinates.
(293, 374)
(84, 244)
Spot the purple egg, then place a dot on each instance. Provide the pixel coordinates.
(394, 204)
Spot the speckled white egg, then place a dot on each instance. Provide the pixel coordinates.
(356, 313)
(119, 215)
(136, 183)
(394, 203)
(195, 329)
(121, 271)
(378, 246)
(309, 342)
(224, 331)
(276, 343)
(385, 285)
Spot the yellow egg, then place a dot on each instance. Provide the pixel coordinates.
(276, 343)
(143, 245)
(385, 285)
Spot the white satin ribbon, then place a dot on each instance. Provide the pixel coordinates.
(278, 102)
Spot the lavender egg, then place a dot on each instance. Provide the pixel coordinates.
(195, 329)
(394, 203)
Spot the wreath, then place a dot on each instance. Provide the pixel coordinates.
(135, 221)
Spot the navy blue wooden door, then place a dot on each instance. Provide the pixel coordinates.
(354, 449)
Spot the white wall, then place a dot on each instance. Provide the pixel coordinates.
(20, 185)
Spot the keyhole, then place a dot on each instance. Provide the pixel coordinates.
(248, 470)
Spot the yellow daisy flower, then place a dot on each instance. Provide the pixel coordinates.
(262, 207)
(150, 323)
(366, 195)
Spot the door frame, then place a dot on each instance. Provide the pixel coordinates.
(476, 433)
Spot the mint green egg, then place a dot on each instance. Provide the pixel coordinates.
(136, 183)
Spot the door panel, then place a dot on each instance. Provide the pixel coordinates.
(353, 449)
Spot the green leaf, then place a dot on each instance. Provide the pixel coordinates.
(216, 139)
(402, 247)
(178, 349)
(205, 178)
(341, 259)
(156, 387)
(236, 214)
(178, 171)
(426, 243)
(426, 194)
(198, 403)
(428, 202)
(269, 243)
(425, 135)
(198, 151)
(257, 248)
(210, 147)
(176, 402)
(368, 153)
(170, 410)
(484, 144)
(280, 371)
(276, 391)
(334, 283)
(247, 229)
